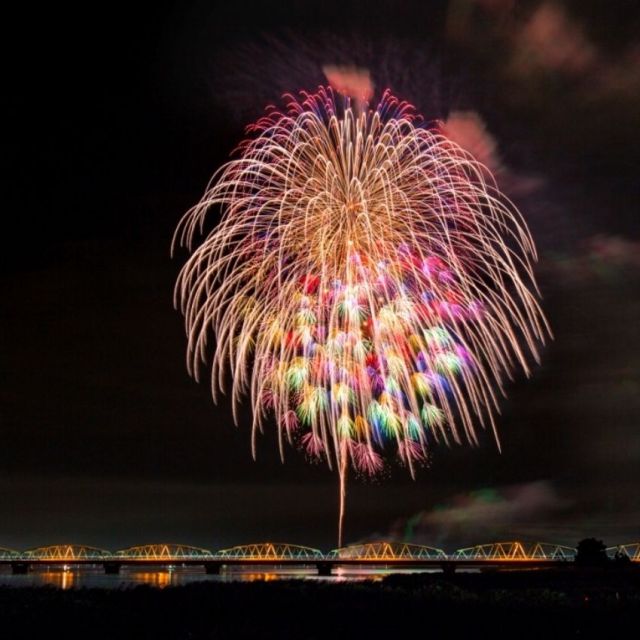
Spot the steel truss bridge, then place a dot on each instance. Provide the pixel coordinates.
(383, 554)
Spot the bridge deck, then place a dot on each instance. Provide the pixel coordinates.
(282, 562)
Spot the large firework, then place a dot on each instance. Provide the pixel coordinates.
(368, 286)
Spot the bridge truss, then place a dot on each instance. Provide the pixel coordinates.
(386, 552)
(66, 553)
(270, 551)
(372, 551)
(632, 551)
(163, 551)
(505, 551)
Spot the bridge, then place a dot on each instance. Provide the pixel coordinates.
(163, 553)
(631, 551)
(268, 552)
(515, 551)
(383, 554)
(387, 551)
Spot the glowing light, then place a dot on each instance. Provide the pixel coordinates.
(368, 285)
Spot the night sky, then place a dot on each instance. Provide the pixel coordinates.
(113, 129)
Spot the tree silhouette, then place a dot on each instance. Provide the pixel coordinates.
(591, 553)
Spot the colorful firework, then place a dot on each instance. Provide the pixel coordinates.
(368, 286)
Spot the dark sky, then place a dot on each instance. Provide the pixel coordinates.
(116, 119)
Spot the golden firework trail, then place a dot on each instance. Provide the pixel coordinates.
(368, 286)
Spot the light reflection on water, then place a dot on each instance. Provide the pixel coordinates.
(94, 577)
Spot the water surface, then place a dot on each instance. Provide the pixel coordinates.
(92, 577)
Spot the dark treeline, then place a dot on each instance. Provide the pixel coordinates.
(546, 604)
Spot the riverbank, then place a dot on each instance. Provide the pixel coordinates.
(547, 604)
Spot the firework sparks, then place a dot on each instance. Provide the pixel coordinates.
(368, 286)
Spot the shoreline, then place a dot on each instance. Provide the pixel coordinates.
(551, 603)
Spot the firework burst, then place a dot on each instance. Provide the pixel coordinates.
(368, 286)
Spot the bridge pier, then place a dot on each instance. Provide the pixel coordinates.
(212, 568)
(324, 568)
(20, 568)
(112, 568)
(448, 568)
